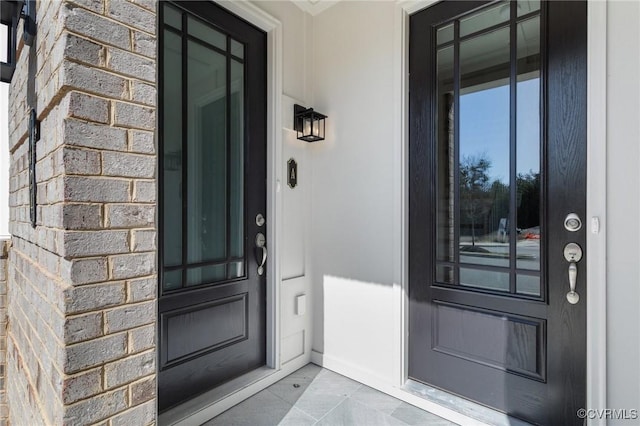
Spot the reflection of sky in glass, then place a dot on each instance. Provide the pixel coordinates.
(484, 128)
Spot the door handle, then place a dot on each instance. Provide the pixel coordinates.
(573, 254)
(572, 296)
(261, 244)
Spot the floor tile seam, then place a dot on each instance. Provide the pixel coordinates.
(281, 398)
(315, 422)
(328, 412)
(381, 412)
(373, 407)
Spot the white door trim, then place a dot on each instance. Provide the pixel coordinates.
(596, 207)
(596, 195)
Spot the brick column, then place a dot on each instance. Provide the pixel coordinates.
(82, 283)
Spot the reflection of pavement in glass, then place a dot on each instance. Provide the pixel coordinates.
(497, 254)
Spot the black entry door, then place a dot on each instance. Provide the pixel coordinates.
(213, 187)
(497, 162)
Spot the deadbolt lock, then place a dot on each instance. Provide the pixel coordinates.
(573, 252)
(572, 222)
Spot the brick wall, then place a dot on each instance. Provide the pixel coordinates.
(82, 283)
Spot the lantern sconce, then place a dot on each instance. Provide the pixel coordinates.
(308, 123)
(11, 11)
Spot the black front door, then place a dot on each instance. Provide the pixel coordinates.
(497, 138)
(212, 189)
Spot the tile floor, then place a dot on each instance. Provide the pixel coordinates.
(315, 396)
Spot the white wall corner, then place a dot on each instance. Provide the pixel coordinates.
(314, 7)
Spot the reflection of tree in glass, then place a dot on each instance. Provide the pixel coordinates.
(528, 199)
(475, 189)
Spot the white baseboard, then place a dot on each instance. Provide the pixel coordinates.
(378, 382)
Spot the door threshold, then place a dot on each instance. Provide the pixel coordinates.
(461, 405)
(207, 405)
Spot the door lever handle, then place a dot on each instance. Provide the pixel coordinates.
(573, 254)
(572, 296)
(261, 244)
(264, 260)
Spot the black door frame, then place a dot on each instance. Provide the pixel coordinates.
(596, 376)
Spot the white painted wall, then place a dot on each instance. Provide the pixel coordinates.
(4, 152)
(354, 188)
(623, 209)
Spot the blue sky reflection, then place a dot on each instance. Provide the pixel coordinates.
(484, 127)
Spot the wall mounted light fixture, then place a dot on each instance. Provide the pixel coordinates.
(308, 123)
(11, 11)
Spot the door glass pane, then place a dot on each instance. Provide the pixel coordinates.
(172, 280)
(236, 270)
(484, 163)
(172, 150)
(446, 158)
(173, 17)
(206, 33)
(237, 49)
(445, 274)
(236, 200)
(528, 145)
(490, 280)
(207, 155)
(445, 34)
(528, 6)
(528, 284)
(486, 18)
(205, 275)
